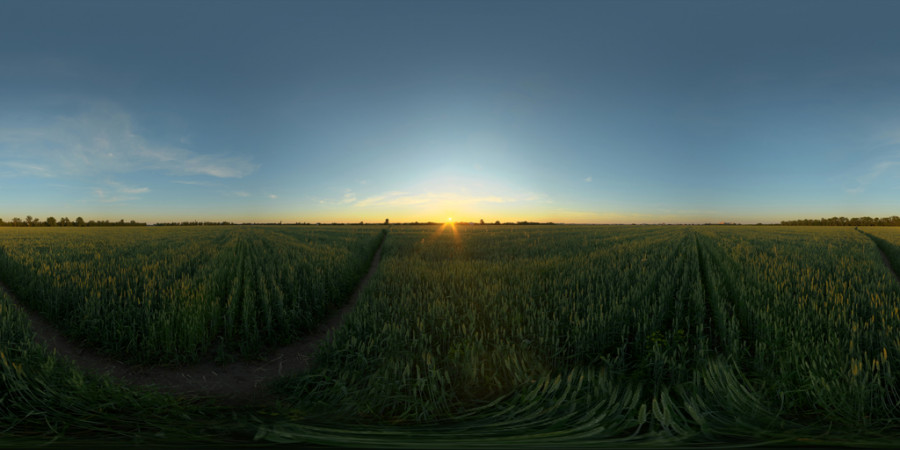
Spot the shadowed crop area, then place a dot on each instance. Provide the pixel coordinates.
(475, 335)
(169, 296)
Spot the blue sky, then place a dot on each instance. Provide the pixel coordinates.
(590, 112)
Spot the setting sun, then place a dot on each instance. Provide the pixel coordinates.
(449, 219)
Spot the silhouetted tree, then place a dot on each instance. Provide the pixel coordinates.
(51, 221)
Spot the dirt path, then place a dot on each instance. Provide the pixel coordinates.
(887, 263)
(884, 258)
(235, 383)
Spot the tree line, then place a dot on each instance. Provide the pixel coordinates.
(66, 222)
(892, 221)
(193, 223)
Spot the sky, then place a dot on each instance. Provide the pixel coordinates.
(343, 111)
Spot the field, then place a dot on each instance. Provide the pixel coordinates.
(464, 335)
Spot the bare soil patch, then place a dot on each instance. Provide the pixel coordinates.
(237, 383)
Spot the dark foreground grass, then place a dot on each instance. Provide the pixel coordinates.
(45, 399)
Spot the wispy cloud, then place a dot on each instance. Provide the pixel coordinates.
(879, 160)
(103, 141)
(13, 169)
(879, 169)
(115, 192)
(875, 171)
(193, 183)
(272, 196)
(242, 194)
(124, 189)
(589, 179)
(348, 198)
(218, 166)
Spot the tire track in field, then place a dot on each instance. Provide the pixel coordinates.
(719, 336)
(236, 383)
(884, 256)
(722, 304)
(715, 334)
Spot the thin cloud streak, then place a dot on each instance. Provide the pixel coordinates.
(876, 171)
(349, 197)
(117, 192)
(127, 189)
(13, 169)
(193, 183)
(102, 142)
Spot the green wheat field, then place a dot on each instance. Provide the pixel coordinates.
(465, 335)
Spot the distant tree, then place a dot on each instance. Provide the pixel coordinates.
(29, 221)
(65, 222)
(497, 223)
(482, 221)
(386, 221)
(17, 222)
(79, 222)
(51, 221)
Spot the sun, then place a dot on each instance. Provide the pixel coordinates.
(452, 226)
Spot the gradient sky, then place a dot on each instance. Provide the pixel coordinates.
(581, 112)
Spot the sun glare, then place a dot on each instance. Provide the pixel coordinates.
(448, 224)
